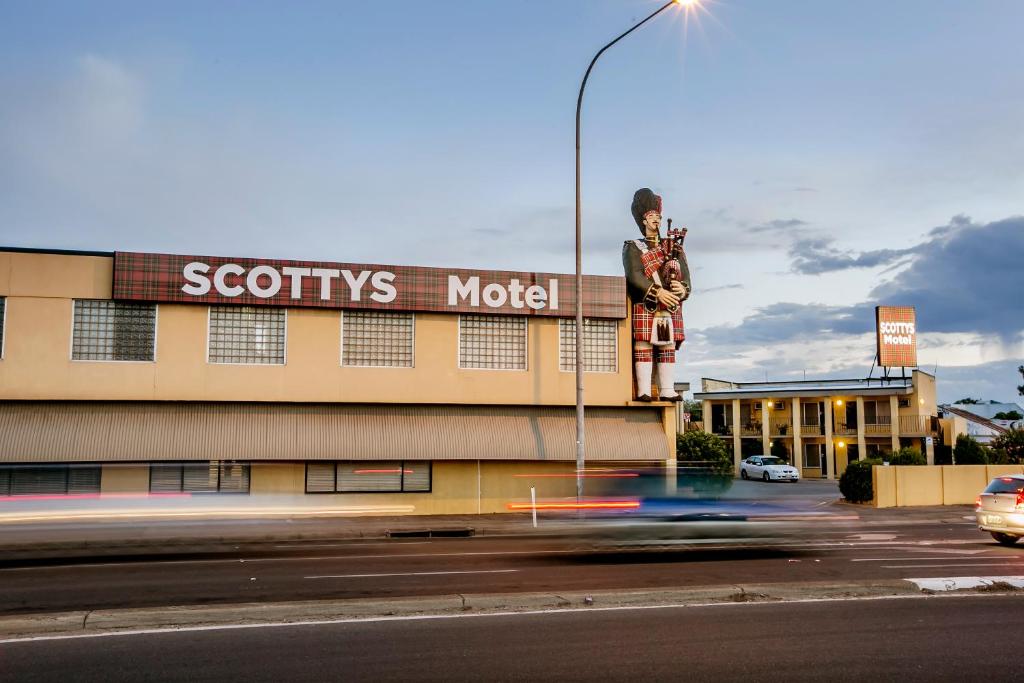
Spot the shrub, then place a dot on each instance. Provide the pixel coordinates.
(907, 456)
(705, 463)
(1010, 447)
(779, 449)
(967, 451)
(855, 484)
(943, 454)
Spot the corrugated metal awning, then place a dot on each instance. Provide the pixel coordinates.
(101, 431)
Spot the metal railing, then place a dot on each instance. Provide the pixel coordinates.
(812, 429)
(750, 429)
(841, 428)
(695, 426)
(881, 425)
(915, 425)
(780, 427)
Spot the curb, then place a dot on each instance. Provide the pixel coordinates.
(97, 622)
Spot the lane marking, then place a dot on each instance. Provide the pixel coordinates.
(911, 559)
(368, 576)
(937, 566)
(478, 615)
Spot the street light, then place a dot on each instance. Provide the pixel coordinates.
(579, 245)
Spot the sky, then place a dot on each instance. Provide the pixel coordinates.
(826, 157)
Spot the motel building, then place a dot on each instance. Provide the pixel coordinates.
(364, 387)
(822, 425)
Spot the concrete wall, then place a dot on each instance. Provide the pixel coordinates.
(40, 289)
(899, 486)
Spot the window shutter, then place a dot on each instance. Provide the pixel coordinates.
(319, 477)
(234, 477)
(199, 477)
(27, 481)
(369, 476)
(417, 476)
(83, 479)
(5, 481)
(164, 478)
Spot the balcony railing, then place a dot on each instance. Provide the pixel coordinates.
(750, 429)
(812, 429)
(695, 426)
(881, 425)
(842, 429)
(780, 427)
(915, 425)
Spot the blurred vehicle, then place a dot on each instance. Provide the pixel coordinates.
(768, 468)
(1000, 508)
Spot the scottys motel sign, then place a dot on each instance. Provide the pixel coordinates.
(261, 282)
(896, 330)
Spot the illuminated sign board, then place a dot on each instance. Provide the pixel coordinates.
(896, 330)
(315, 284)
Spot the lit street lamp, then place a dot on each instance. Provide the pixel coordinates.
(579, 249)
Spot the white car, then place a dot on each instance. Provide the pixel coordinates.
(768, 468)
(1000, 509)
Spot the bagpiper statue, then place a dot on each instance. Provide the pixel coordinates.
(658, 282)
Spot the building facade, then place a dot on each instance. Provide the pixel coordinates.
(820, 426)
(360, 388)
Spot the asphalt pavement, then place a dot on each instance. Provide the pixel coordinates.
(908, 639)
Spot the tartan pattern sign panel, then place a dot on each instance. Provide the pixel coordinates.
(262, 282)
(896, 329)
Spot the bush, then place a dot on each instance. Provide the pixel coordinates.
(943, 454)
(907, 456)
(779, 449)
(855, 484)
(967, 451)
(705, 463)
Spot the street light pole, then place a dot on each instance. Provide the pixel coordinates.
(579, 252)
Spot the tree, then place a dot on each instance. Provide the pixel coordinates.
(968, 401)
(1009, 447)
(704, 463)
(967, 451)
(695, 409)
(1008, 415)
(1020, 388)
(779, 449)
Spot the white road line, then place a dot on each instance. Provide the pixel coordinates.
(937, 566)
(953, 583)
(369, 576)
(478, 615)
(910, 559)
(299, 545)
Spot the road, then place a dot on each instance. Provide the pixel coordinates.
(290, 571)
(912, 639)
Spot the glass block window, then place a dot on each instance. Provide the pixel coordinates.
(376, 339)
(247, 334)
(113, 330)
(368, 477)
(206, 476)
(600, 345)
(495, 342)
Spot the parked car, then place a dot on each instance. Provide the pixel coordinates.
(1000, 508)
(768, 468)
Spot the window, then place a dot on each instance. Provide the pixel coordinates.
(30, 480)
(113, 330)
(207, 476)
(813, 455)
(247, 334)
(599, 345)
(368, 477)
(495, 342)
(3, 323)
(376, 339)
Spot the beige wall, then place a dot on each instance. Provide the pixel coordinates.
(899, 486)
(457, 487)
(40, 289)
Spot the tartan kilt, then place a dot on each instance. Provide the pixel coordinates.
(644, 319)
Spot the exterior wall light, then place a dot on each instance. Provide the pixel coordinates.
(839, 401)
(842, 444)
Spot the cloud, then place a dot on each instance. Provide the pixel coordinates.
(721, 288)
(816, 256)
(779, 225)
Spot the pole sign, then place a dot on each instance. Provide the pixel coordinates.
(314, 284)
(896, 330)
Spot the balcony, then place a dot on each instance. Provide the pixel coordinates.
(840, 428)
(750, 429)
(780, 427)
(695, 426)
(812, 429)
(881, 426)
(915, 425)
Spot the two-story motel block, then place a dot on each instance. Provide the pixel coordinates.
(822, 425)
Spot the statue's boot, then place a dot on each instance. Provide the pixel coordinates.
(643, 380)
(666, 379)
